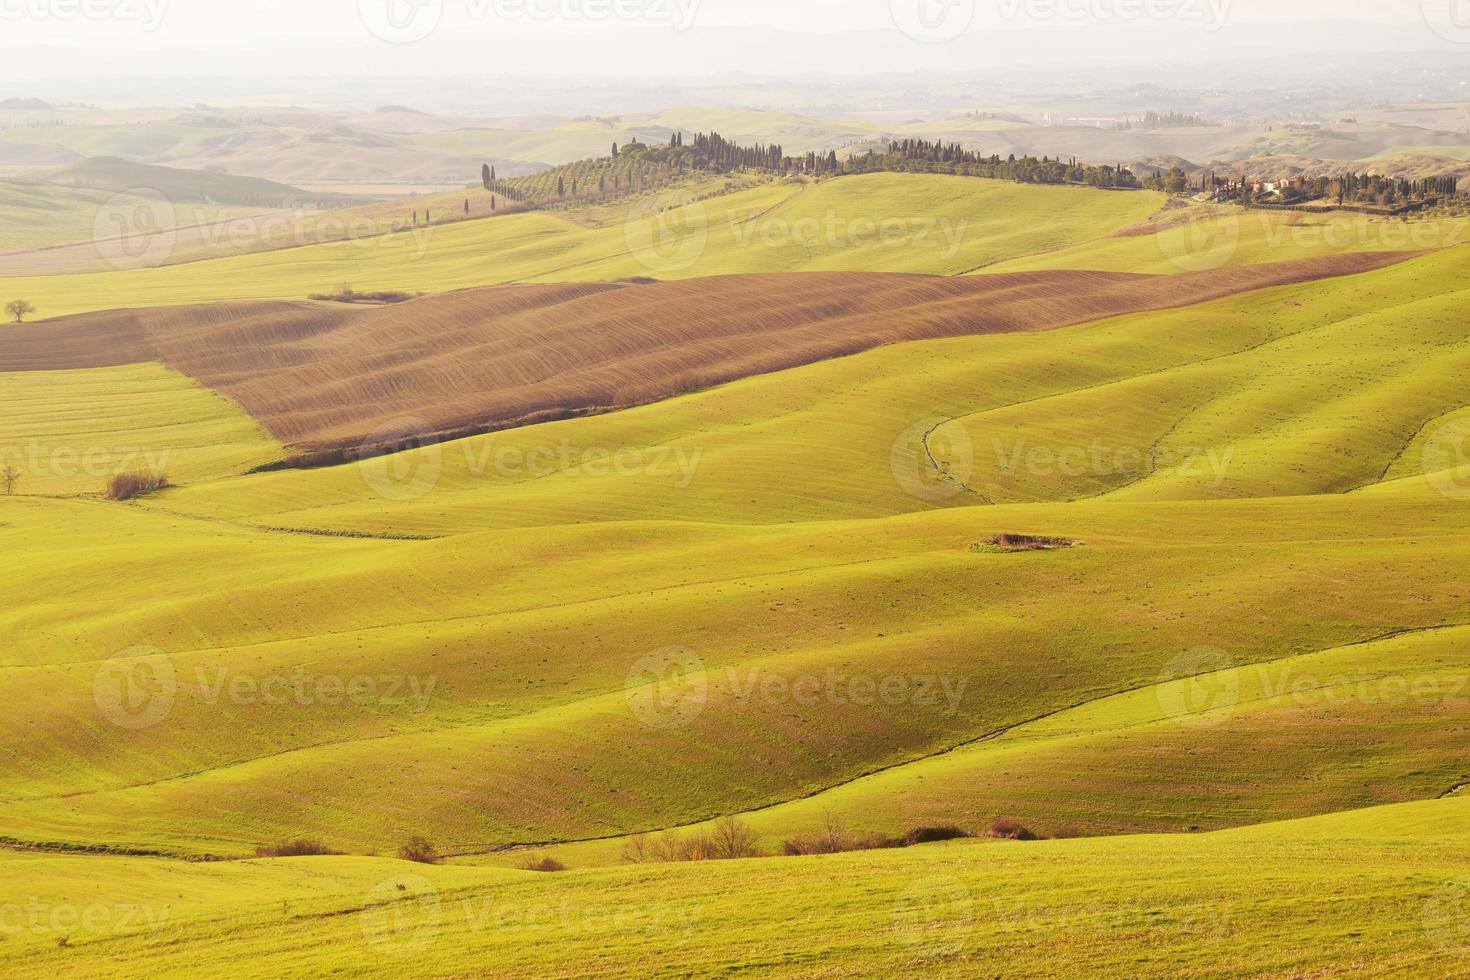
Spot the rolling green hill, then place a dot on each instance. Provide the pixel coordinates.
(1266, 900)
(39, 216)
(798, 598)
(200, 186)
(883, 222)
(689, 542)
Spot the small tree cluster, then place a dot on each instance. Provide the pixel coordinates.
(420, 850)
(129, 486)
(729, 839)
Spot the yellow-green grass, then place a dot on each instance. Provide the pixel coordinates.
(1346, 728)
(560, 562)
(1373, 893)
(69, 432)
(41, 215)
(365, 221)
(522, 643)
(1325, 393)
(876, 223)
(1212, 238)
(766, 534)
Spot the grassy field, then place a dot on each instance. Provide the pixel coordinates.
(497, 711)
(877, 223)
(43, 215)
(1195, 237)
(1374, 893)
(781, 598)
(68, 432)
(688, 542)
(1118, 407)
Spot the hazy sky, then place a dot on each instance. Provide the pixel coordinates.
(25, 22)
(61, 38)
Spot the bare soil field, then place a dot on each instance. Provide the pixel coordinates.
(326, 376)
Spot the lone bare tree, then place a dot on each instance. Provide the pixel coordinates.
(733, 838)
(19, 309)
(9, 476)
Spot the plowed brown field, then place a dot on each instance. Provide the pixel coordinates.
(319, 375)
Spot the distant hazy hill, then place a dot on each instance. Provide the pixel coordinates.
(112, 173)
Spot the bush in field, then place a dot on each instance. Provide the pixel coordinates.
(1011, 830)
(421, 850)
(930, 835)
(128, 486)
(534, 862)
(300, 847)
(1030, 542)
(731, 837)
